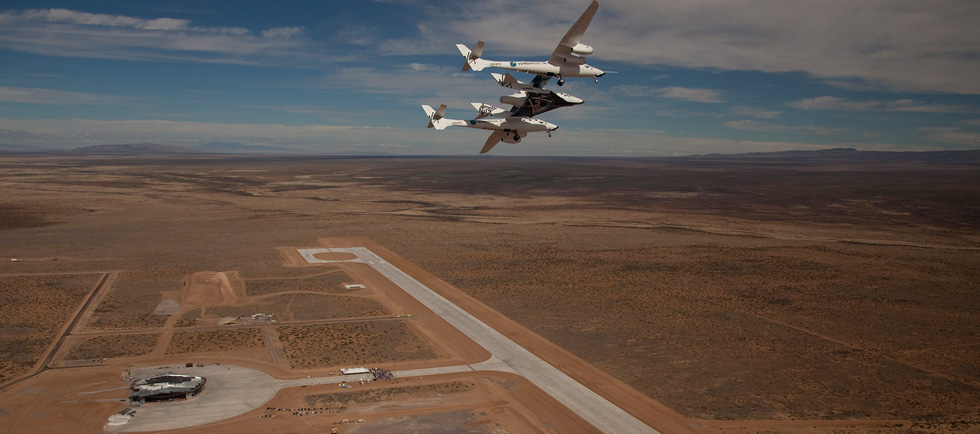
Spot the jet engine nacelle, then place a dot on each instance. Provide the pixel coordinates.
(514, 136)
(582, 49)
(516, 99)
(572, 59)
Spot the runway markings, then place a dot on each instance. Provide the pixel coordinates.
(508, 356)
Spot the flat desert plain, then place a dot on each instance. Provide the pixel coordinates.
(799, 293)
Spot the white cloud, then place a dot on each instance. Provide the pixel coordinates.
(63, 32)
(750, 125)
(834, 103)
(417, 83)
(424, 67)
(55, 97)
(301, 109)
(689, 94)
(909, 105)
(85, 18)
(282, 32)
(953, 135)
(678, 93)
(842, 104)
(899, 45)
(756, 112)
(825, 131)
(756, 126)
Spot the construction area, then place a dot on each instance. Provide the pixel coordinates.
(370, 311)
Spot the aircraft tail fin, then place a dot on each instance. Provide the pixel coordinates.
(508, 81)
(488, 110)
(478, 50)
(437, 117)
(473, 60)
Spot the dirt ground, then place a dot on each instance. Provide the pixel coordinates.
(32, 311)
(748, 295)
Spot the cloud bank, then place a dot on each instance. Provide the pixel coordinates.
(69, 33)
(898, 45)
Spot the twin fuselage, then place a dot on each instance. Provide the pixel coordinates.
(508, 124)
(541, 68)
(516, 125)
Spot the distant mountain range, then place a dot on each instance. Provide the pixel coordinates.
(157, 149)
(133, 148)
(850, 154)
(239, 148)
(18, 149)
(841, 154)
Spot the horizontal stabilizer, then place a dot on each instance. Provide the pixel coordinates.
(506, 80)
(488, 110)
(478, 64)
(436, 117)
(473, 60)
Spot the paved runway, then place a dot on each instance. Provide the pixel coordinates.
(598, 411)
(232, 390)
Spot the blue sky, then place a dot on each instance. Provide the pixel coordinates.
(693, 76)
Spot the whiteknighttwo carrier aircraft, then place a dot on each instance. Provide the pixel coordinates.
(566, 61)
(509, 129)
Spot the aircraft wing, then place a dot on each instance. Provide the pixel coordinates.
(492, 141)
(540, 80)
(574, 35)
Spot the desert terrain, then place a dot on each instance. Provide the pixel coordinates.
(824, 293)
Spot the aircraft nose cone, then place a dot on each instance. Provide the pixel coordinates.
(572, 99)
(551, 126)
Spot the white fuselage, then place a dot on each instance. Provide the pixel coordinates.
(509, 129)
(544, 68)
(513, 124)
